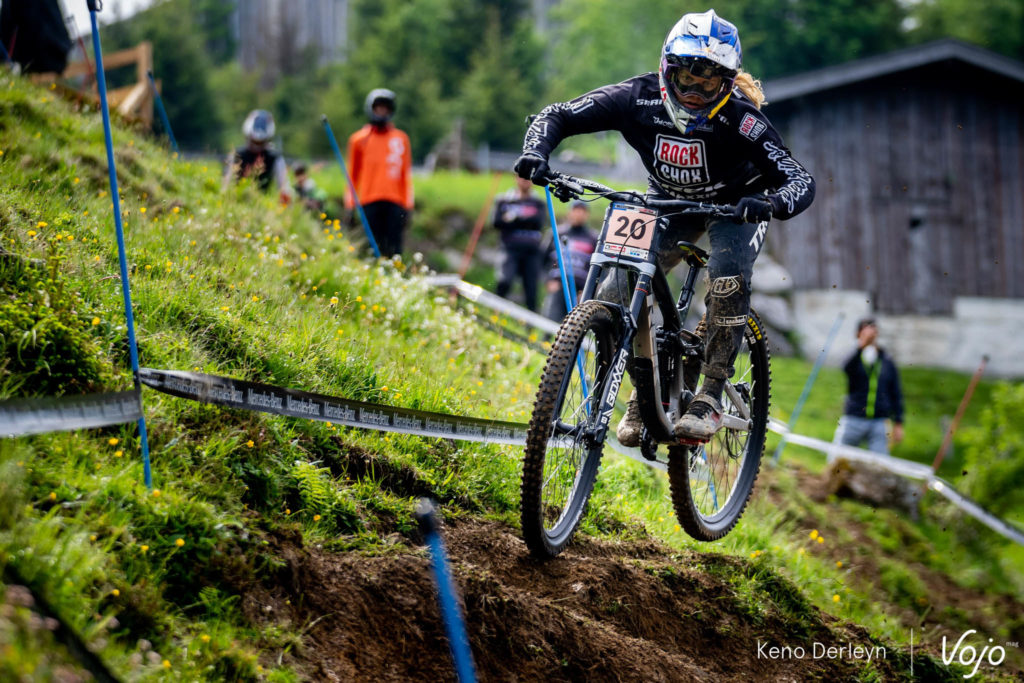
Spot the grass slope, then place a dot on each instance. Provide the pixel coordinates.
(258, 527)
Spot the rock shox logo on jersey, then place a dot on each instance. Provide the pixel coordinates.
(751, 128)
(679, 161)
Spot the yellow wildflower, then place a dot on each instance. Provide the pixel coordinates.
(53, 495)
(334, 300)
(835, 598)
(814, 534)
(32, 233)
(142, 209)
(316, 518)
(255, 298)
(166, 664)
(250, 443)
(144, 548)
(839, 564)
(156, 493)
(175, 210)
(180, 542)
(113, 441)
(115, 592)
(118, 454)
(205, 638)
(95, 321)
(42, 224)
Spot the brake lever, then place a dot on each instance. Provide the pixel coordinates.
(566, 190)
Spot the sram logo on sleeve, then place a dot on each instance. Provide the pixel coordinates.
(752, 128)
(679, 161)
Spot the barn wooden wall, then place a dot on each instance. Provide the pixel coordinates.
(920, 189)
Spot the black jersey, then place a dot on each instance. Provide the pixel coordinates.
(256, 162)
(735, 154)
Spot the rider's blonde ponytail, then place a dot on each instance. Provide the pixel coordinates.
(751, 87)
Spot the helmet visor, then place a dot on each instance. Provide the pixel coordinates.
(695, 76)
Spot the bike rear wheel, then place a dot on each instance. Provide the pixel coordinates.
(712, 483)
(560, 461)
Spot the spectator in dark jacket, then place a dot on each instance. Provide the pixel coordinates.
(873, 394)
(578, 243)
(519, 215)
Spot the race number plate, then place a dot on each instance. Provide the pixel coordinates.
(628, 231)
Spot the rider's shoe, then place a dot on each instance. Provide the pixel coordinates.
(702, 419)
(629, 429)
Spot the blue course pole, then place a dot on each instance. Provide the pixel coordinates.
(807, 385)
(568, 286)
(568, 283)
(451, 615)
(133, 350)
(163, 112)
(351, 186)
(3, 51)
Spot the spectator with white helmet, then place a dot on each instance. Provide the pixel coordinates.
(257, 159)
(380, 164)
(698, 127)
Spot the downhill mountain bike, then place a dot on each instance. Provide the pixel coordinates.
(710, 482)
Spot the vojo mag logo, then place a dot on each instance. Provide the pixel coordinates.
(964, 653)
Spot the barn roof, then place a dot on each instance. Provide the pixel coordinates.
(893, 62)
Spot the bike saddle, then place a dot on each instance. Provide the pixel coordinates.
(692, 254)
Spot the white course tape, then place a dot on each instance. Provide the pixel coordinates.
(481, 296)
(906, 468)
(22, 417)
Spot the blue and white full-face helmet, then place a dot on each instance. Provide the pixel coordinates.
(699, 63)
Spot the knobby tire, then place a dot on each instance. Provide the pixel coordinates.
(548, 525)
(687, 465)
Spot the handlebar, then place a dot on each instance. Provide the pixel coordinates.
(567, 187)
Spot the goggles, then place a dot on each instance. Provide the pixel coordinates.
(696, 76)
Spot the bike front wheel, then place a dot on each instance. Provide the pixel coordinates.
(712, 483)
(562, 456)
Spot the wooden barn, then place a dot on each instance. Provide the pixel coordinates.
(919, 161)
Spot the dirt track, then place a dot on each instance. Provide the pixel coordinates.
(601, 611)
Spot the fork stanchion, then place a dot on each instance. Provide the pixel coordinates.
(101, 82)
(351, 185)
(451, 615)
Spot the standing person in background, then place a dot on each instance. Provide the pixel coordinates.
(257, 159)
(380, 163)
(519, 215)
(873, 394)
(578, 244)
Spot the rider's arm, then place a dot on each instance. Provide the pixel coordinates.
(794, 185)
(601, 109)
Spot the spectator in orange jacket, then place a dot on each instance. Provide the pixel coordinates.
(380, 162)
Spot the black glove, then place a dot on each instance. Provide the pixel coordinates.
(753, 210)
(532, 166)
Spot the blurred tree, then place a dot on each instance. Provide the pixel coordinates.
(603, 41)
(997, 25)
(213, 17)
(181, 63)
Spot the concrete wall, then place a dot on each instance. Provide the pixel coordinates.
(978, 326)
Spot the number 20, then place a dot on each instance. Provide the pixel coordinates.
(636, 231)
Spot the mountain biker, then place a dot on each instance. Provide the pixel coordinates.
(698, 128)
(380, 161)
(257, 158)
